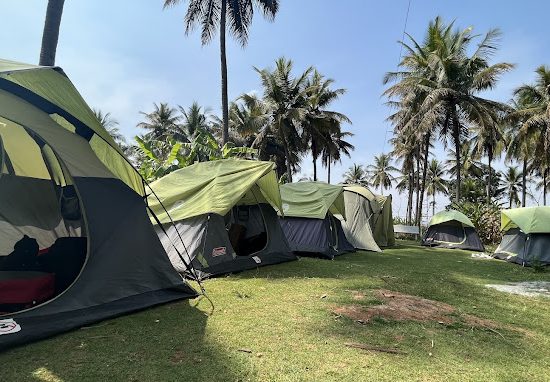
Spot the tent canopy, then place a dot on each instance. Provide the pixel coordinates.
(528, 219)
(312, 199)
(50, 90)
(365, 192)
(215, 187)
(447, 216)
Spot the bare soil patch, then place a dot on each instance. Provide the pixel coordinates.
(403, 307)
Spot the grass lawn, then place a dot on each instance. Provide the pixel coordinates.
(277, 324)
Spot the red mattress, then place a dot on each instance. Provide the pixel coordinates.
(26, 287)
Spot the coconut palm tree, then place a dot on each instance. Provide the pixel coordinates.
(435, 182)
(335, 146)
(50, 35)
(162, 123)
(356, 174)
(236, 15)
(450, 80)
(193, 120)
(111, 125)
(319, 123)
(511, 182)
(285, 96)
(381, 172)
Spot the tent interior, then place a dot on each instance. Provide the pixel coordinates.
(42, 233)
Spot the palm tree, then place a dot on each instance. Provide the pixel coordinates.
(319, 124)
(285, 98)
(335, 146)
(405, 149)
(356, 174)
(449, 80)
(214, 14)
(489, 139)
(111, 125)
(193, 120)
(511, 182)
(162, 123)
(50, 35)
(381, 172)
(435, 183)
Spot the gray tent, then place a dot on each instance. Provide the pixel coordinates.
(75, 240)
(309, 222)
(452, 229)
(361, 212)
(526, 238)
(225, 218)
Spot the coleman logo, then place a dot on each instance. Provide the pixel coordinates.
(219, 251)
(9, 326)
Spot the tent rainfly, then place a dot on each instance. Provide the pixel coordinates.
(309, 222)
(76, 244)
(225, 216)
(365, 208)
(526, 236)
(452, 229)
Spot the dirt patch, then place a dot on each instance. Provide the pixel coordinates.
(403, 307)
(356, 295)
(178, 357)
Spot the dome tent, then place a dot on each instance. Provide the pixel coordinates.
(205, 198)
(309, 222)
(65, 184)
(452, 229)
(526, 236)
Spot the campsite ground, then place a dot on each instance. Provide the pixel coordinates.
(291, 322)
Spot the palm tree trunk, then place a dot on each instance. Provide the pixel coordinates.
(424, 174)
(544, 176)
(287, 155)
(314, 169)
(225, 101)
(328, 169)
(524, 183)
(433, 206)
(50, 35)
(417, 186)
(489, 184)
(456, 138)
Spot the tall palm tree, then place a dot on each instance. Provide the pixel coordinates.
(335, 146)
(285, 96)
(489, 139)
(511, 182)
(435, 182)
(212, 15)
(450, 79)
(381, 172)
(356, 174)
(405, 149)
(162, 123)
(193, 120)
(319, 123)
(50, 35)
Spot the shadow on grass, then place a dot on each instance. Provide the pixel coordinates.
(165, 343)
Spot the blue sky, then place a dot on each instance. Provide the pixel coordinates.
(124, 55)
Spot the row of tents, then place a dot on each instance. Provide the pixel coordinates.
(83, 238)
(525, 240)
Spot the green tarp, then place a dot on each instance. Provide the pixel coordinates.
(215, 187)
(312, 200)
(528, 219)
(446, 216)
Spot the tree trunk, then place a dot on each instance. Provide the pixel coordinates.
(50, 35)
(287, 155)
(524, 183)
(424, 174)
(433, 206)
(314, 169)
(544, 176)
(225, 101)
(417, 186)
(456, 138)
(328, 169)
(490, 183)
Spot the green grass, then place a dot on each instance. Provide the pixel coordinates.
(279, 314)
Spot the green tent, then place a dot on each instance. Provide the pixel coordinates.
(526, 235)
(452, 229)
(309, 222)
(76, 244)
(225, 213)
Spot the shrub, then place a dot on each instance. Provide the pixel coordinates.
(486, 219)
